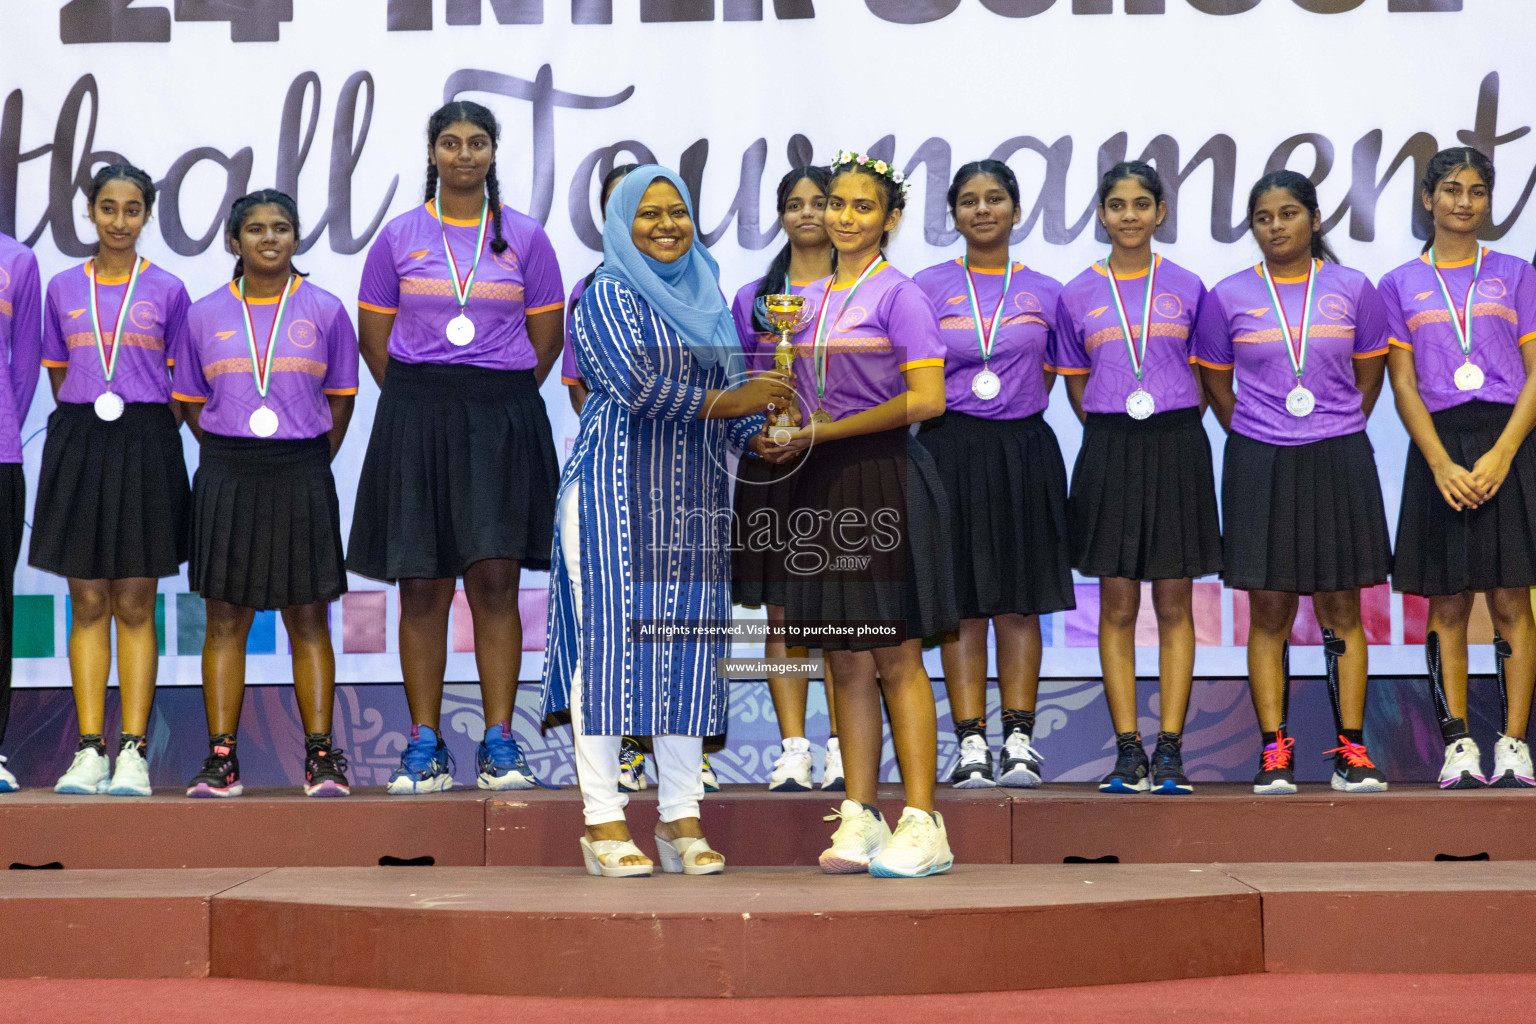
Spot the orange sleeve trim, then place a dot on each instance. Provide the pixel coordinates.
(170, 362)
(1528, 337)
(1372, 355)
(571, 381)
(544, 309)
(1214, 366)
(1191, 360)
(340, 391)
(914, 364)
(1408, 346)
(56, 364)
(1070, 371)
(187, 398)
(377, 309)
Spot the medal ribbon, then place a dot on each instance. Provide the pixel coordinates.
(262, 370)
(819, 342)
(1298, 350)
(1461, 322)
(109, 362)
(461, 289)
(987, 338)
(1137, 358)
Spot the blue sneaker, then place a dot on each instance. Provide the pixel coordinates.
(426, 765)
(501, 761)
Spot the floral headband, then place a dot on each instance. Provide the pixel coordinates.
(848, 158)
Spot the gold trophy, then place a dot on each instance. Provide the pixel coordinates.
(784, 313)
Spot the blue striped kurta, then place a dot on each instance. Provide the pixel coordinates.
(655, 528)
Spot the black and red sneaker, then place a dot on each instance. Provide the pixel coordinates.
(1353, 770)
(220, 776)
(1277, 767)
(325, 769)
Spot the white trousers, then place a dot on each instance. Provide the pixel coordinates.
(678, 758)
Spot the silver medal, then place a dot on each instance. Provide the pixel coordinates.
(986, 385)
(1139, 405)
(108, 406)
(263, 422)
(1300, 402)
(1469, 376)
(461, 330)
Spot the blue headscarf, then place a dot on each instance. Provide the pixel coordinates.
(685, 293)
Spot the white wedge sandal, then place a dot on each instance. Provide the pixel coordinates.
(682, 855)
(605, 857)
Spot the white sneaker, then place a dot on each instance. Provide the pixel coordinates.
(974, 769)
(861, 837)
(1463, 768)
(131, 776)
(1512, 765)
(1021, 762)
(89, 772)
(792, 771)
(8, 782)
(832, 767)
(919, 847)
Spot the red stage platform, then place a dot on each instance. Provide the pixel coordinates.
(273, 886)
(755, 828)
(758, 932)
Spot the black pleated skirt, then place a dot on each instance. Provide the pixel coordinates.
(1144, 498)
(869, 560)
(266, 525)
(760, 517)
(1441, 551)
(460, 467)
(112, 498)
(1007, 490)
(1303, 519)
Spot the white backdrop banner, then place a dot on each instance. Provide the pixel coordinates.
(329, 100)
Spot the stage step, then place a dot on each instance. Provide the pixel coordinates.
(1057, 823)
(764, 931)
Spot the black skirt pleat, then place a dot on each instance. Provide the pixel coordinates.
(112, 499)
(266, 525)
(1441, 551)
(1143, 501)
(760, 515)
(460, 467)
(1006, 486)
(887, 578)
(1303, 519)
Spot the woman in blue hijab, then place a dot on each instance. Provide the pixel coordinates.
(640, 586)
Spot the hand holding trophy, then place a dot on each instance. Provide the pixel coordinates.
(784, 313)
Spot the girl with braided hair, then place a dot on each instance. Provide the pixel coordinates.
(459, 319)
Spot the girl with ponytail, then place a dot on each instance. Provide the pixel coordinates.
(1143, 494)
(112, 501)
(762, 488)
(1001, 471)
(1464, 378)
(459, 318)
(266, 373)
(1306, 340)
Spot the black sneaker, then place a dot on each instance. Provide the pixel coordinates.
(974, 768)
(325, 770)
(1021, 762)
(1277, 767)
(1353, 770)
(1168, 765)
(1131, 768)
(220, 776)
